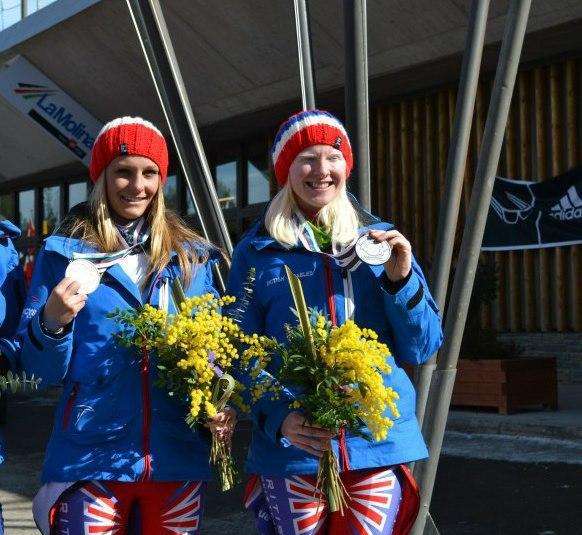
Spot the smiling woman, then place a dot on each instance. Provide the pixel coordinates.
(311, 226)
(131, 183)
(117, 438)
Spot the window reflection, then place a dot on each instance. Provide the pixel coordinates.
(190, 208)
(51, 200)
(7, 207)
(26, 212)
(77, 193)
(226, 184)
(171, 193)
(258, 184)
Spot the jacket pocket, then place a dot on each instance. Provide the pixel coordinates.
(66, 418)
(97, 413)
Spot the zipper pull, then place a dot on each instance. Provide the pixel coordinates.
(344, 273)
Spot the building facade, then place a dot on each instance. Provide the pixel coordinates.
(238, 60)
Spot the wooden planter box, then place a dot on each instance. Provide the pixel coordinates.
(506, 384)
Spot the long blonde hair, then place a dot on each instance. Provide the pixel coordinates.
(168, 232)
(339, 217)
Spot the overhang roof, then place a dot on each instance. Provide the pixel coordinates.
(236, 57)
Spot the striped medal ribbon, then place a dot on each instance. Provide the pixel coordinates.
(88, 268)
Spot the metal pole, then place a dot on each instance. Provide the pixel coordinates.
(160, 57)
(23, 8)
(449, 209)
(444, 377)
(356, 95)
(306, 70)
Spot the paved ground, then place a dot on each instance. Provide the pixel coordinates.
(514, 495)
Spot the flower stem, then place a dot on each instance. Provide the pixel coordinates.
(328, 480)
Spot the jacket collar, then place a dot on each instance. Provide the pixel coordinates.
(260, 238)
(66, 246)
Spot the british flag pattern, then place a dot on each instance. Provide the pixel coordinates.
(183, 512)
(298, 506)
(111, 508)
(101, 516)
(370, 501)
(307, 505)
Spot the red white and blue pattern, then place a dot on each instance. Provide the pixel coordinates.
(307, 505)
(297, 507)
(302, 130)
(101, 515)
(369, 502)
(183, 514)
(253, 491)
(109, 507)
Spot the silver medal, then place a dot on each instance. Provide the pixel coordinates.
(85, 273)
(371, 251)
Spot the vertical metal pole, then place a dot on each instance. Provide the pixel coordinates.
(160, 57)
(356, 95)
(444, 377)
(306, 69)
(449, 209)
(23, 8)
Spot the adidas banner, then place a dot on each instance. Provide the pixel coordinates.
(532, 215)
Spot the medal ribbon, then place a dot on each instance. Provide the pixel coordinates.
(102, 261)
(345, 258)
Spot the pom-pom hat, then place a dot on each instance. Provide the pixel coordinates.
(128, 136)
(302, 130)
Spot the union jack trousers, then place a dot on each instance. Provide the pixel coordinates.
(381, 501)
(142, 508)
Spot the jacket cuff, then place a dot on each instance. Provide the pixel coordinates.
(41, 340)
(271, 424)
(407, 297)
(393, 287)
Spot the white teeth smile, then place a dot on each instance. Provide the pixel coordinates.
(132, 199)
(319, 185)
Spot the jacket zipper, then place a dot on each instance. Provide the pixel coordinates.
(69, 406)
(146, 402)
(344, 455)
(146, 422)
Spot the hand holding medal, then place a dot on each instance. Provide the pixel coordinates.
(63, 304)
(399, 262)
(85, 273)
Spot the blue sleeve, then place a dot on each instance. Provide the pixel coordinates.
(12, 294)
(10, 355)
(46, 356)
(209, 286)
(12, 290)
(414, 318)
(267, 413)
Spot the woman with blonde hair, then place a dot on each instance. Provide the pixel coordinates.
(120, 458)
(339, 252)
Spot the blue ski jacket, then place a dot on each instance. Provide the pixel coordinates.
(11, 283)
(11, 301)
(407, 320)
(111, 422)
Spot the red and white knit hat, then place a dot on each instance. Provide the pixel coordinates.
(128, 136)
(302, 130)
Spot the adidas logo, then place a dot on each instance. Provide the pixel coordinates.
(569, 207)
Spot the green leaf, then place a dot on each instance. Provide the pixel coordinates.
(178, 292)
(301, 307)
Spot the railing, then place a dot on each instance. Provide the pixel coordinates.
(12, 11)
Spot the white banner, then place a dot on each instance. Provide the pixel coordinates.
(45, 103)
